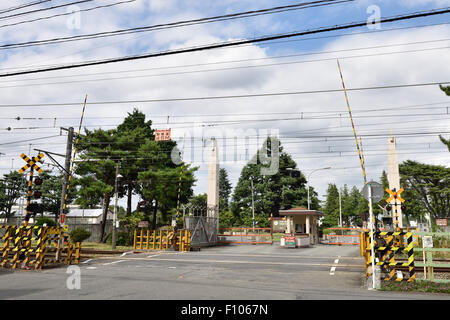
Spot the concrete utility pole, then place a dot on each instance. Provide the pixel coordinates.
(114, 236)
(394, 175)
(66, 167)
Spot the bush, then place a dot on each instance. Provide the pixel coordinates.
(45, 220)
(122, 239)
(79, 235)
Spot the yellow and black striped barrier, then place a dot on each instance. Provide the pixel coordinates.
(146, 239)
(388, 245)
(49, 245)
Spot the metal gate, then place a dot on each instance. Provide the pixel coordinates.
(344, 236)
(245, 235)
(203, 230)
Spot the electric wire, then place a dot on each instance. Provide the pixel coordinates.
(421, 14)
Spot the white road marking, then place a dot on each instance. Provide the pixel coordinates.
(155, 255)
(125, 253)
(87, 261)
(105, 264)
(333, 268)
(91, 268)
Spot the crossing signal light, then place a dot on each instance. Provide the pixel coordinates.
(37, 194)
(388, 208)
(38, 181)
(34, 208)
(403, 208)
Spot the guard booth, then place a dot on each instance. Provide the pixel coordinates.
(302, 224)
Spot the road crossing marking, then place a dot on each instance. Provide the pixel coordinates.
(333, 268)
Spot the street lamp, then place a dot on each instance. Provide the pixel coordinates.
(307, 181)
(118, 176)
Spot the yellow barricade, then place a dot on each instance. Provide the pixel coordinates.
(28, 246)
(145, 239)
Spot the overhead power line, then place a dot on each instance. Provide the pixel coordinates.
(2, 11)
(210, 70)
(44, 9)
(206, 98)
(184, 23)
(65, 14)
(230, 43)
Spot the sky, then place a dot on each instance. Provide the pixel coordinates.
(314, 127)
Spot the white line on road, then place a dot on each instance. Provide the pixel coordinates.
(87, 261)
(105, 264)
(333, 268)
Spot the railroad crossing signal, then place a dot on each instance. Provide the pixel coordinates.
(395, 195)
(31, 163)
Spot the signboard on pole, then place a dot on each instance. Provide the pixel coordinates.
(162, 135)
(377, 191)
(443, 222)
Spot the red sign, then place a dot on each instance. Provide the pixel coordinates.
(62, 219)
(162, 135)
(442, 222)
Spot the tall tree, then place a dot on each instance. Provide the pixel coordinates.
(159, 178)
(97, 173)
(132, 134)
(331, 209)
(281, 189)
(11, 187)
(224, 190)
(431, 185)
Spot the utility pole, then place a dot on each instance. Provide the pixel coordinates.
(66, 166)
(118, 176)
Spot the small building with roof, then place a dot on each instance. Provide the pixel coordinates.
(303, 224)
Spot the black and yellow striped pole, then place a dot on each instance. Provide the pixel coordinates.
(353, 126)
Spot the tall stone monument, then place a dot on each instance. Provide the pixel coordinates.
(213, 182)
(393, 176)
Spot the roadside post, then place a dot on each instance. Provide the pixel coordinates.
(372, 191)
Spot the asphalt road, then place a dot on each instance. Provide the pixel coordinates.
(244, 272)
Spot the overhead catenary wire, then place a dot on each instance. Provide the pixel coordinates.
(214, 70)
(421, 14)
(65, 14)
(278, 42)
(25, 5)
(184, 23)
(44, 9)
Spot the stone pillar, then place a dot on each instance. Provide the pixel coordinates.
(393, 176)
(213, 182)
(308, 228)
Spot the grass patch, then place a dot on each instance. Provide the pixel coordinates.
(417, 286)
(104, 246)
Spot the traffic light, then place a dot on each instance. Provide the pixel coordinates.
(403, 208)
(37, 194)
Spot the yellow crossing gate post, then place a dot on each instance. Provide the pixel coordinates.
(387, 246)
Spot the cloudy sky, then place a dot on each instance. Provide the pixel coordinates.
(313, 124)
